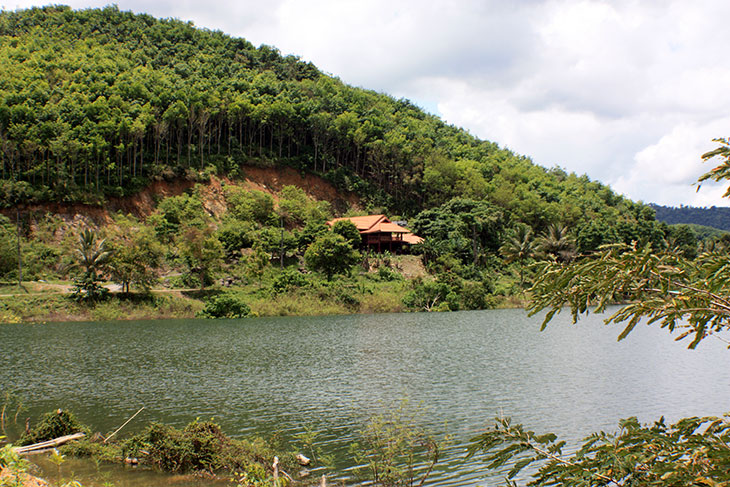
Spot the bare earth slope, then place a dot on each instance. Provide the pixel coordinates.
(141, 205)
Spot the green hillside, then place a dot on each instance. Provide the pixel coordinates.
(96, 103)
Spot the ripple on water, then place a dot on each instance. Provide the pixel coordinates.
(260, 376)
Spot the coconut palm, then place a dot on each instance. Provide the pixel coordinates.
(430, 249)
(555, 243)
(92, 257)
(519, 246)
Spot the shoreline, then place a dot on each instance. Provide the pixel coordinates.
(160, 304)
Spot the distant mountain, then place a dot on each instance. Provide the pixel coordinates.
(710, 217)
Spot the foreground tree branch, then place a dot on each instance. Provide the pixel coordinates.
(659, 286)
(693, 451)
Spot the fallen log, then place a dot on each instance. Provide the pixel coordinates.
(48, 444)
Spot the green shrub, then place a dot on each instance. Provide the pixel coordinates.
(235, 235)
(197, 447)
(225, 305)
(39, 260)
(191, 281)
(7, 455)
(8, 249)
(428, 296)
(91, 448)
(394, 451)
(13, 462)
(249, 205)
(288, 280)
(202, 446)
(53, 425)
(86, 288)
(388, 274)
(346, 297)
(475, 295)
(331, 254)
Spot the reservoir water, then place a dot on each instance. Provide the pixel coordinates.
(330, 374)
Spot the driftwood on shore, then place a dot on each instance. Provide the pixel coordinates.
(45, 445)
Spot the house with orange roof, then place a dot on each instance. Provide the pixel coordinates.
(379, 233)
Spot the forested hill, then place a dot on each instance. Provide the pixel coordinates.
(96, 103)
(710, 217)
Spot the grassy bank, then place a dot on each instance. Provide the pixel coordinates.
(61, 307)
(357, 295)
(400, 286)
(365, 297)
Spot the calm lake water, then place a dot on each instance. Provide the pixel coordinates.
(266, 375)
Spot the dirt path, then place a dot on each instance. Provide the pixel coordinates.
(113, 288)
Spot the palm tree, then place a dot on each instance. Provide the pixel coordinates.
(430, 249)
(519, 246)
(556, 244)
(92, 257)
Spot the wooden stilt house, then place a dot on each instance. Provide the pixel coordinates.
(380, 234)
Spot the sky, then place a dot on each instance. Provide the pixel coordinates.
(630, 92)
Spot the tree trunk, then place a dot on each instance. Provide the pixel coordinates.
(20, 260)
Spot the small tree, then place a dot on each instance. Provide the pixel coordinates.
(136, 253)
(331, 254)
(557, 244)
(309, 234)
(393, 446)
(276, 242)
(349, 231)
(201, 252)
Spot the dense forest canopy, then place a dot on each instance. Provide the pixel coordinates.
(715, 217)
(96, 103)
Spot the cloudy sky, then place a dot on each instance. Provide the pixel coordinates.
(630, 93)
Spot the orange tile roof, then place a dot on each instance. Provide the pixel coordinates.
(390, 227)
(363, 223)
(412, 238)
(379, 224)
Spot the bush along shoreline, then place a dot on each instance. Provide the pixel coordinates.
(200, 448)
(391, 450)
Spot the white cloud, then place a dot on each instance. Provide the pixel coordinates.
(668, 168)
